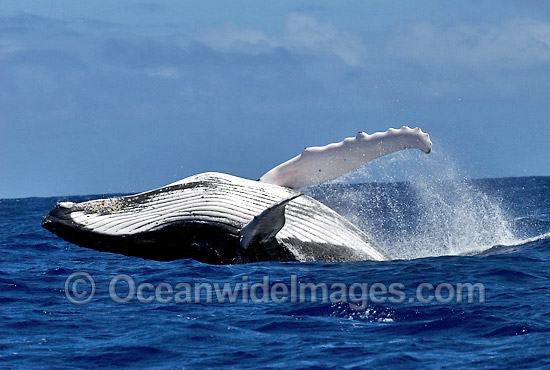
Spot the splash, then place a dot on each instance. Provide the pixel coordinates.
(419, 206)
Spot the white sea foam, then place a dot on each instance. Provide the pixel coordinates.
(437, 213)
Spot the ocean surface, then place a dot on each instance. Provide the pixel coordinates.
(493, 234)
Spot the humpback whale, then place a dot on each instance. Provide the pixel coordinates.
(223, 219)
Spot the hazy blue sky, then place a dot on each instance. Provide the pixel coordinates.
(105, 96)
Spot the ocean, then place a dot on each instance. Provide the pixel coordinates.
(468, 287)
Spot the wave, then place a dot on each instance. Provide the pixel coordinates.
(512, 247)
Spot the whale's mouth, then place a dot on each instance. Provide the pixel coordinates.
(59, 220)
(173, 241)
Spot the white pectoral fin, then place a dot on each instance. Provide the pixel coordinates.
(318, 164)
(266, 225)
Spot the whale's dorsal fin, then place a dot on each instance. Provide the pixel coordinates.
(318, 164)
(266, 225)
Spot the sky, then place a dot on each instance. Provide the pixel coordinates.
(118, 97)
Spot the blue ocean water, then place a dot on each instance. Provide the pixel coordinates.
(494, 232)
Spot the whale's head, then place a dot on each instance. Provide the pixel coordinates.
(80, 224)
(201, 217)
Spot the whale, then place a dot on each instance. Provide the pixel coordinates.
(218, 218)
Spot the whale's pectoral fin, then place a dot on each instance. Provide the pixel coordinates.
(266, 225)
(318, 164)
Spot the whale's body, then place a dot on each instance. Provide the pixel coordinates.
(201, 217)
(218, 218)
